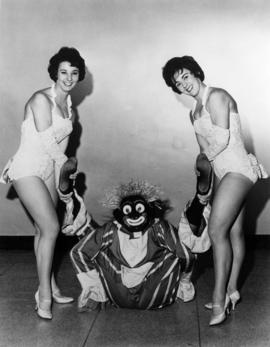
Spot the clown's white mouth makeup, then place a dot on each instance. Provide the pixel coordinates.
(135, 222)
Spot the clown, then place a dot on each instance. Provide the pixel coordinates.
(138, 259)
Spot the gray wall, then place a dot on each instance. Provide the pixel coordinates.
(132, 124)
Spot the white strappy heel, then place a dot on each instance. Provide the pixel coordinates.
(43, 313)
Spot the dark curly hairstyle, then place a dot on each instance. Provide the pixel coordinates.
(70, 55)
(180, 63)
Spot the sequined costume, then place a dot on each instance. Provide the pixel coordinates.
(226, 149)
(39, 151)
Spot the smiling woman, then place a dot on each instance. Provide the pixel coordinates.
(217, 127)
(34, 169)
(67, 78)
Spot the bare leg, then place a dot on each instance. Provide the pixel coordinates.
(50, 183)
(227, 203)
(238, 250)
(37, 199)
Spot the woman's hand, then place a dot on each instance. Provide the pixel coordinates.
(74, 176)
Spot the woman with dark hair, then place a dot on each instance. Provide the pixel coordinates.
(216, 123)
(34, 169)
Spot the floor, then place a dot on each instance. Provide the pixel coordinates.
(182, 324)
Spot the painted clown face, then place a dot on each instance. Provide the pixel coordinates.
(134, 213)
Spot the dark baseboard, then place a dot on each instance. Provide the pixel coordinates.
(258, 242)
(65, 243)
(16, 242)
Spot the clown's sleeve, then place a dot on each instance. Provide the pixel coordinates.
(199, 241)
(83, 259)
(84, 252)
(168, 238)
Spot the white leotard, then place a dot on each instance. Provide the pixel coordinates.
(31, 159)
(234, 158)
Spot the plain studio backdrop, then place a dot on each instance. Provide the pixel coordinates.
(130, 124)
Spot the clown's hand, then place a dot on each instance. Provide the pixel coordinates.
(89, 305)
(92, 305)
(89, 301)
(186, 290)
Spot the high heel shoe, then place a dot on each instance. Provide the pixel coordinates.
(209, 305)
(220, 317)
(235, 298)
(60, 299)
(45, 314)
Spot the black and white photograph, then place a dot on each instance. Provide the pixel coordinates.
(134, 173)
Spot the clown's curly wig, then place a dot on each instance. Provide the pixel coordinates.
(114, 196)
